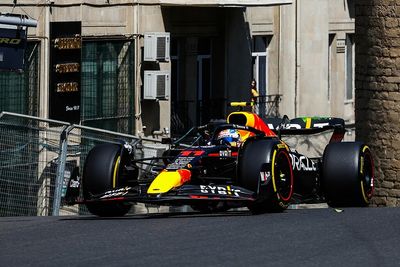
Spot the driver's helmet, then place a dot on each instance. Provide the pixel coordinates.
(229, 136)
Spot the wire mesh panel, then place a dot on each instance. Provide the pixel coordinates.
(80, 142)
(38, 157)
(28, 161)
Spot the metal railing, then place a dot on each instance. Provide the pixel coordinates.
(38, 156)
(267, 106)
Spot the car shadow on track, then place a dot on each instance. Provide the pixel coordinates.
(163, 215)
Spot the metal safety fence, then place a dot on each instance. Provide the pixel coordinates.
(38, 156)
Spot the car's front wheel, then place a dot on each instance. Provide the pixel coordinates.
(101, 173)
(264, 166)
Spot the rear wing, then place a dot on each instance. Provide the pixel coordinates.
(307, 125)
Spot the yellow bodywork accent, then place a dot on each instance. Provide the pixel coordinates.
(273, 171)
(249, 118)
(244, 135)
(241, 104)
(283, 146)
(164, 182)
(308, 123)
(116, 167)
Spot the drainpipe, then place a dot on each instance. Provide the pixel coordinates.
(19, 20)
(298, 63)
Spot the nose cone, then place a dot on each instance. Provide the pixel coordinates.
(168, 180)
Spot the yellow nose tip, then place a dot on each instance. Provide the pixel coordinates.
(167, 180)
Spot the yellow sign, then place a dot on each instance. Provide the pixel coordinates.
(67, 67)
(67, 87)
(68, 43)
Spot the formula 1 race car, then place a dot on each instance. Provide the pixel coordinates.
(242, 162)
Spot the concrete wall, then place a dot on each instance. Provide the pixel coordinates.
(312, 58)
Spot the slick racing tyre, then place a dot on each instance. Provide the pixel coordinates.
(264, 167)
(348, 174)
(101, 173)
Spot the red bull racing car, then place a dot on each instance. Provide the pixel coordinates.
(242, 162)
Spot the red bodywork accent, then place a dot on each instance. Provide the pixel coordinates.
(260, 125)
(336, 137)
(193, 153)
(185, 175)
(195, 196)
(250, 119)
(234, 154)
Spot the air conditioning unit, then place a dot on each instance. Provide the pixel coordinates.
(156, 46)
(157, 85)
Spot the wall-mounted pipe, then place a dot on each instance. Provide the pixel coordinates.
(17, 20)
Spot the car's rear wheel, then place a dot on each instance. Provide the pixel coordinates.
(102, 172)
(264, 166)
(348, 174)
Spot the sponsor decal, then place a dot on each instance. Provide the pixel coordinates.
(291, 126)
(10, 41)
(361, 164)
(321, 125)
(220, 190)
(302, 163)
(128, 147)
(281, 146)
(225, 153)
(12, 48)
(74, 183)
(180, 163)
(116, 193)
(265, 177)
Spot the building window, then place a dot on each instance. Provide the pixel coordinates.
(260, 63)
(19, 90)
(108, 85)
(330, 64)
(178, 121)
(260, 70)
(349, 94)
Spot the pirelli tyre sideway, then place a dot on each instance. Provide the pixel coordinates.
(101, 173)
(348, 174)
(264, 167)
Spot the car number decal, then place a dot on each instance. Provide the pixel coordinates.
(220, 190)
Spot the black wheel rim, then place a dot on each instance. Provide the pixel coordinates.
(283, 175)
(367, 171)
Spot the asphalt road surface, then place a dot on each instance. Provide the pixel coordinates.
(302, 237)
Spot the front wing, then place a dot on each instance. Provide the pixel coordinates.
(184, 195)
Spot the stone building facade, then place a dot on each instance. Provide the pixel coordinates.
(298, 49)
(378, 92)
